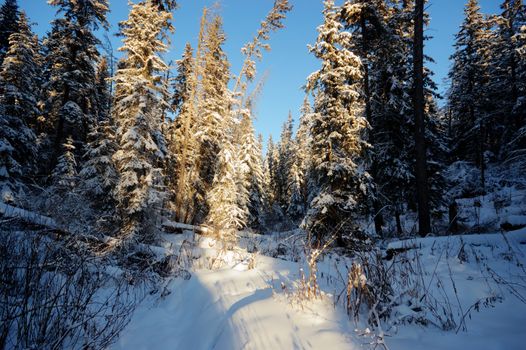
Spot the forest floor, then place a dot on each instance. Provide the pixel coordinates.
(455, 292)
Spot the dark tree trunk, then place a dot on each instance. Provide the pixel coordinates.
(399, 229)
(453, 217)
(424, 220)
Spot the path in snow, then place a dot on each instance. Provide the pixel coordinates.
(235, 308)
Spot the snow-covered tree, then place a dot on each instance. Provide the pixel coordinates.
(252, 182)
(184, 82)
(283, 179)
(225, 214)
(467, 94)
(214, 106)
(19, 95)
(338, 128)
(184, 142)
(65, 174)
(103, 90)
(301, 168)
(98, 175)
(138, 102)
(506, 85)
(71, 58)
(8, 25)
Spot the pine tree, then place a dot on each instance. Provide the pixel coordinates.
(301, 169)
(183, 141)
(213, 108)
(506, 82)
(187, 186)
(64, 175)
(103, 90)
(183, 83)
(468, 89)
(9, 21)
(252, 184)
(138, 102)
(270, 166)
(225, 214)
(338, 128)
(98, 175)
(383, 43)
(285, 158)
(71, 58)
(19, 95)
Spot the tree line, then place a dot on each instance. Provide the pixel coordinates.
(117, 147)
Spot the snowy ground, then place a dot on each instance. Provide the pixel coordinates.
(234, 307)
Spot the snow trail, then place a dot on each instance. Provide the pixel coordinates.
(235, 308)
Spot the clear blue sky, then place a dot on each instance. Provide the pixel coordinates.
(289, 62)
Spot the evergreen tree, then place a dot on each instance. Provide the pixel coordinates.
(183, 142)
(301, 168)
(468, 92)
(183, 83)
(214, 108)
(103, 90)
(9, 14)
(98, 175)
(72, 55)
(138, 102)
(64, 175)
(270, 169)
(225, 214)
(338, 127)
(252, 184)
(506, 83)
(383, 41)
(19, 95)
(285, 159)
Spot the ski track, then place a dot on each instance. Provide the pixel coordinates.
(235, 308)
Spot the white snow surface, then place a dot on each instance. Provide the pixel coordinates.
(235, 307)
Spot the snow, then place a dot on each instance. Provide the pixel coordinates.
(239, 307)
(236, 308)
(10, 211)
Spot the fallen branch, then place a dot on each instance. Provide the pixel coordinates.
(171, 226)
(30, 217)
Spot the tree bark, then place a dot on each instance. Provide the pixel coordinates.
(424, 220)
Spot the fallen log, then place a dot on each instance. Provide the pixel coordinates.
(177, 227)
(30, 217)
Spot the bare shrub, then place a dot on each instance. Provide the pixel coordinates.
(54, 294)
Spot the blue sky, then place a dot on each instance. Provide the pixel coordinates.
(289, 63)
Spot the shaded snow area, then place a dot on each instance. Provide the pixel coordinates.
(458, 292)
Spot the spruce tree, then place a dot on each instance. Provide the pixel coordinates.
(285, 159)
(468, 89)
(103, 90)
(301, 168)
(338, 127)
(252, 184)
(19, 95)
(226, 215)
(506, 82)
(98, 174)
(214, 112)
(183, 142)
(9, 14)
(138, 102)
(71, 58)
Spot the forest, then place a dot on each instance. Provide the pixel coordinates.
(141, 209)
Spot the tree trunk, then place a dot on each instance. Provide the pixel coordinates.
(399, 229)
(424, 220)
